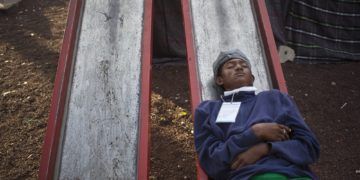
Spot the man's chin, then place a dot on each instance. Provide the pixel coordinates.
(242, 84)
(237, 87)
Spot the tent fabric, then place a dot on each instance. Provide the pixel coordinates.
(169, 36)
(319, 31)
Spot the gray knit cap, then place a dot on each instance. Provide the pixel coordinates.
(223, 57)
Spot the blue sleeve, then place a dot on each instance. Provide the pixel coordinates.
(303, 147)
(215, 153)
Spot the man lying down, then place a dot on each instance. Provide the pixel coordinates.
(248, 136)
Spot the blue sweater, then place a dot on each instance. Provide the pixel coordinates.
(217, 144)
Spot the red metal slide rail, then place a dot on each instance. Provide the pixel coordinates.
(269, 45)
(58, 101)
(272, 56)
(192, 68)
(144, 115)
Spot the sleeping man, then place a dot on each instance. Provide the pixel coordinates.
(247, 136)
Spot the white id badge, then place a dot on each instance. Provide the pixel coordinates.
(228, 112)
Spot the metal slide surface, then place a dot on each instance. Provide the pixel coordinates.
(213, 26)
(225, 25)
(101, 126)
(103, 115)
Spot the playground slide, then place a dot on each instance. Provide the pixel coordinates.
(225, 25)
(213, 26)
(101, 94)
(98, 126)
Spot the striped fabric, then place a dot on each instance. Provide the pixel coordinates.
(321, 31)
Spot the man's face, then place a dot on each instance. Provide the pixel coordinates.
(234, 74)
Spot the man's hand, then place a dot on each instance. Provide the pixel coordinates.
(271, 131)
(250, 156)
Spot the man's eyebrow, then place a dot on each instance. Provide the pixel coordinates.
(233, 62)
(230, 62)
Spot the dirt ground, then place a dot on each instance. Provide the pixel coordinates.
(30, 40)
(328, 96)
(172, 148)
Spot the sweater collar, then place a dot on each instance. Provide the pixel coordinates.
(239, 94)
(245, 88)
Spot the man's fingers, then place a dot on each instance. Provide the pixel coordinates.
(285, 127)
(236, 163)
(281, 136)
(287, 137)
(284, 136)
(242, 164)
(278, 137)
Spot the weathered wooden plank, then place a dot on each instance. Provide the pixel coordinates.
(100, 138)
(225, 25)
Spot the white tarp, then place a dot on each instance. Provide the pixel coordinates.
(6, 4)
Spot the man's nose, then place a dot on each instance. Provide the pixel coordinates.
(239, 67)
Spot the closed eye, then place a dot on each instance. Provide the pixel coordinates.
(230, 65)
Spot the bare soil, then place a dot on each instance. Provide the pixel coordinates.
(328, 96)
(30, 40)
(172, 147)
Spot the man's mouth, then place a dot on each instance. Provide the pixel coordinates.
(239, 74)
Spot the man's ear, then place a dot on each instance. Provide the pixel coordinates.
(252, 79)
(219, 81)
